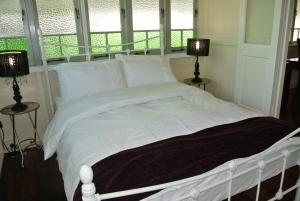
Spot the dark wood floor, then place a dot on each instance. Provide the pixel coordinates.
(41, 181)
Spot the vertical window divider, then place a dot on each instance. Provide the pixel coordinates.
(181, 39)
(126, 22)
(106, 41)
(165, 20)
(195, 22)
(82, 26)
(147, 42)
(31, 24)
(60, 47)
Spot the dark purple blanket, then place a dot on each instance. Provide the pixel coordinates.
(185, 156)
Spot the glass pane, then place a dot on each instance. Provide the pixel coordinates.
(17, 44)
(154, 43)
(98, 40)
(182, 14)
(11, 26)
(138, 36)
(297, 19)
(259, 21)
(186, 35)
(145, 14)
(52, 51)
(104, 15)
(10, 19)
(175, 39)
(115, 39)
(296, 34)
(56, 16)
(69, 40)
(57, 21)
(2, 44)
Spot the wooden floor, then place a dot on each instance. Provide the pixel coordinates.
(38, 181)
(41, 181)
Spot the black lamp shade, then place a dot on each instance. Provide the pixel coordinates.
(198, 46)
(13, 63)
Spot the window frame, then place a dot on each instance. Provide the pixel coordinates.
(293, 23)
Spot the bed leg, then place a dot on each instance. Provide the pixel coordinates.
(88, 188)
(297, 197)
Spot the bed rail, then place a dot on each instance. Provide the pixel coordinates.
(88, 55)
(261, 161)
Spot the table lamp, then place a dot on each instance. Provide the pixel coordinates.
(14, 63)
(197, 47)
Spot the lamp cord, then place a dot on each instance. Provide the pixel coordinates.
(3, 138)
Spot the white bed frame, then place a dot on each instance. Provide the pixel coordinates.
(86, 174)
(88, 55)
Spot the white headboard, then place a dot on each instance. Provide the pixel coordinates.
(88, 55)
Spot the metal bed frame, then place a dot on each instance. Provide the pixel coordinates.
(235, 170)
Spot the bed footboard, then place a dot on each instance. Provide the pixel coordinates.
(231, 178)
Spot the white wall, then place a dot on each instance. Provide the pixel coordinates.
(218, 20)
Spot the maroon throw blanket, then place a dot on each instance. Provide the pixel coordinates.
(185, 156)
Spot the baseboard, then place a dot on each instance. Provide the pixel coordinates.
(1, 161)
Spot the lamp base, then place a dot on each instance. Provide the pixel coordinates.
(196, 80)
(19, 107)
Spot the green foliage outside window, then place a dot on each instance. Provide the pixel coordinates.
(142, 35)
(102, 39)
(14, 43)
(56, 51)
(179, 38)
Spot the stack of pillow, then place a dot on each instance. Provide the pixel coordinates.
(80, 79)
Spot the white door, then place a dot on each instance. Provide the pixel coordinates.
(256, 53)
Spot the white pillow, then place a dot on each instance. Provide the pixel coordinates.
(81, 79)
(146, 70)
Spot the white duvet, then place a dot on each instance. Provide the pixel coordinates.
(95, 127)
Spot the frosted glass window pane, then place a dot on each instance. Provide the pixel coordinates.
(182, 14)
(56, 16)
(104, 15)
(145, 14)
(10, 19)
(259, 21)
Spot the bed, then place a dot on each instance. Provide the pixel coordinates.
(138, 109)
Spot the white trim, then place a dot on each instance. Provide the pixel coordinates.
(283, 44)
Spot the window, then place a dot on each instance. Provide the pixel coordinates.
(12, 36)
(105, 24)
(57, 22)
(95, 22)
(145, 17)
(182, 22)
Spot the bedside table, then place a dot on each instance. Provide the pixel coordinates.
(205, 81)
(31, 107)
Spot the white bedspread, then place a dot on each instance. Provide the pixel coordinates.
(92, 128)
